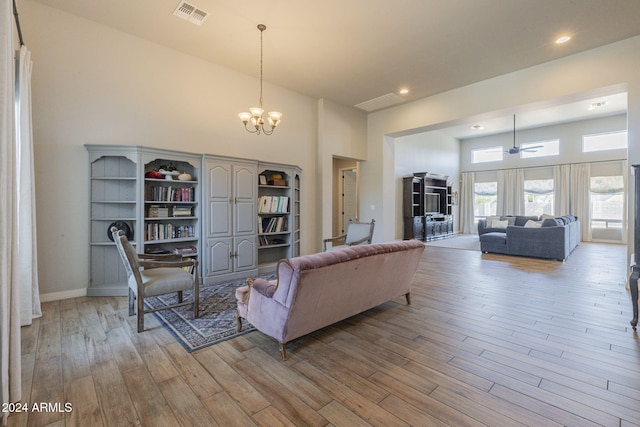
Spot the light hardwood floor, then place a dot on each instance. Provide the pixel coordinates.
(488, 340)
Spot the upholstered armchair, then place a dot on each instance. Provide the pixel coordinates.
(152, 275)
(358, 233)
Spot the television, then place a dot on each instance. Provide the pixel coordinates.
(431, 203)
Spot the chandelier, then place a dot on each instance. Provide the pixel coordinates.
(254, 116)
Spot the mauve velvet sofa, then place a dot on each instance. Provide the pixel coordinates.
(314, 291)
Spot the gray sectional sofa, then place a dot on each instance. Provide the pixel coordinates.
(552, 238)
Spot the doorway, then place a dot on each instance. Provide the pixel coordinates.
(348, 206)
(345, 197)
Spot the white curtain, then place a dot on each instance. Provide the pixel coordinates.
(467, 197)
(27, 260)
(10, 366)
(562, 190)
(580, 183)
(510, 192)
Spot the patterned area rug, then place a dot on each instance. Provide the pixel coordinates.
(217, 321)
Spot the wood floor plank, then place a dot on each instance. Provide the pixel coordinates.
(287, 401)
(339, 415)
(249, 399)
(113, 394)
(151, 407)
(305, 390)
(226, 412)
(362, 407)
(409, 413)
(186, 406)
(193, 373)
(85, 409)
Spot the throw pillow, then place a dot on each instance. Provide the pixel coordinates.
(490, 220)
(532, 224)
(546, 216)
(511, 219)
(499, 224)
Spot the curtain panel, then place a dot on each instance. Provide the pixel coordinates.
(510, 192)
(467, 198)
(27, 260)
(10, 354)
(579, 206)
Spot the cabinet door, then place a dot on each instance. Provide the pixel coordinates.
(219, 200)
(245, 188)
(219, 256)
(245, 253)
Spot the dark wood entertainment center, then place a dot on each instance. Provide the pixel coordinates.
(427, 207)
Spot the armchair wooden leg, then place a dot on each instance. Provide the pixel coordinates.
(239, 320)
(408, 297)
(196, 298)
(180, 297)
(141, 321)
(132, 302)
(140, 301)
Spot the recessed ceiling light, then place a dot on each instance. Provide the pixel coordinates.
(477, 127)
(403, 91)
(563, 39)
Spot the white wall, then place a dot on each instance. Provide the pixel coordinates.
(95, 85)
(432, 152)
(609, 69)
(569, 134)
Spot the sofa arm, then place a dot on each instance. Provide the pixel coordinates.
(482, 225)
(264, 287)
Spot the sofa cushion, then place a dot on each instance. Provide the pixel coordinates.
(552, 222)
(510, 218)
(532, 224)
(522, 220)
(496, 223)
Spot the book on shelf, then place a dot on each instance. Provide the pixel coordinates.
(161, 193)
(273, 204)
(182, 210)
(155, 231)
(273, 225)
(158, 211)
(190, 250)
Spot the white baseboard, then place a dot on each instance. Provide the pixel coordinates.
(56, 296)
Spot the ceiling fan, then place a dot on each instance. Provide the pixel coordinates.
(515, 149)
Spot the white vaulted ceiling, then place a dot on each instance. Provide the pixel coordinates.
(353, 51)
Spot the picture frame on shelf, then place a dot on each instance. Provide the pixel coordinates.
(263, 179)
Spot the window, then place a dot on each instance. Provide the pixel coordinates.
(485, 199)
(607, 207)
(547, 148)
(538, 197)
(493, 154)
(604, 141)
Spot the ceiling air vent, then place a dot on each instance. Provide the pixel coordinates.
(380, 102)
(191, 13)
